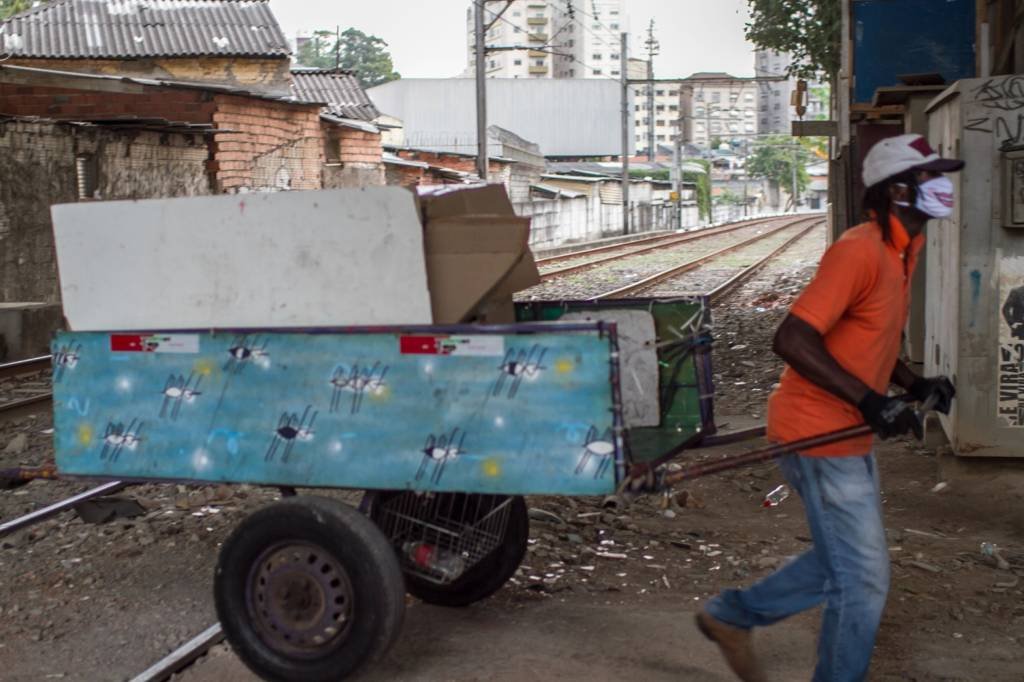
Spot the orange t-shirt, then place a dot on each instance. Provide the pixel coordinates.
(858, 301)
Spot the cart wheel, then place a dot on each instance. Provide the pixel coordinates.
(486, 576)
(308, 589)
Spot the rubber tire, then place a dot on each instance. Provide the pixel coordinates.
(487, 576)
(361, 549)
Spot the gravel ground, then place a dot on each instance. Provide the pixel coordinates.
(603, 589)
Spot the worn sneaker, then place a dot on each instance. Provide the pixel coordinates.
(736, 646)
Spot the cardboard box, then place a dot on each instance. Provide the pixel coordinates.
(454, 200)
(468, 258)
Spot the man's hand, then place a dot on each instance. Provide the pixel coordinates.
(923, 388)
(889, 417)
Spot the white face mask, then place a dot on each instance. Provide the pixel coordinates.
(934, 197)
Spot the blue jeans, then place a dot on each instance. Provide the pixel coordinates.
(847, 569)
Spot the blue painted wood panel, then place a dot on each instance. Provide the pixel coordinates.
(526, 413)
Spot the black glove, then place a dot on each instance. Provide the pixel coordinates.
(923, 388)
(889, 417)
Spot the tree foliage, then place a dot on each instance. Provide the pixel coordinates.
(773, 159)
(809, 30)
(9, 7)
(354, 50)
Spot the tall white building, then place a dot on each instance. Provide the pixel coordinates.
(666, 109)
(556, 39)
(774, 109)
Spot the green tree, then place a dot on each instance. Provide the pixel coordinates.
(9, 7)
(809, 30)
(353, 50)
(774, 158)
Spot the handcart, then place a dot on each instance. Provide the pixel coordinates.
(445, 427)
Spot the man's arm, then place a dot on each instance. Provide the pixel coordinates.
(803, 349)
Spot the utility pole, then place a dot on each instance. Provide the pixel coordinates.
(337, 47)
(677, 172)
(652, 49)
(481, 89)
(626, 114)
(794, 179)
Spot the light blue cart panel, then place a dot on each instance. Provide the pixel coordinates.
(473, 411)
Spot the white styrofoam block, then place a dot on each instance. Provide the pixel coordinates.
(638, 361)
(284, 259)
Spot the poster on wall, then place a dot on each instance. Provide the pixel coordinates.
(1010, 408)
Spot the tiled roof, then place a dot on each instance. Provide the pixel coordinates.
(340, 89)
(95, 29)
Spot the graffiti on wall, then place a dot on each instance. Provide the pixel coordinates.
(1010, 389)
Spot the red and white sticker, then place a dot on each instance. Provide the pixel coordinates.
(481, 345)
(154, 343)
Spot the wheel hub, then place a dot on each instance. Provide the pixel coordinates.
(300, 599)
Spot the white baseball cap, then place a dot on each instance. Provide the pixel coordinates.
(894, 155)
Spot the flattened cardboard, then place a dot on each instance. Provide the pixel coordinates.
(468, 257)
(453, 201)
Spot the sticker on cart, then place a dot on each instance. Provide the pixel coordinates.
(154, 343)
(480, 345)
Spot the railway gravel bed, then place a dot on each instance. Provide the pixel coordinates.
(594, 281)
(718, 270)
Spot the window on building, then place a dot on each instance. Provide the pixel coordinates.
(673, 93)
(636, 107)
(749, 127)
(571, 42)
(518, 62)
(596, 56)
(716, 97)
(597, 72)
(538, 62)
(716, 127)
(572, 73)
(660, 138)
(764, 122)
(673, 107)
(493, 64)
(699, 111)
(517, 13)
(764, 107)
(660, 107)
(614, 27)
(639, 121)
(659, 122)
(699, 97)
(613, 56)
(615, 73)
(659, 93)
(749, 97)
(776, 106)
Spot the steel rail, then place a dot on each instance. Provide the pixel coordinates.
(618, 245)
(22, 367)
(662, 243)
(18, 409)
(38, 515)
(183, 656)
(675, 270)
(726, 287)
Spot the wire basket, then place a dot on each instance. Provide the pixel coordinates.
(440, 536)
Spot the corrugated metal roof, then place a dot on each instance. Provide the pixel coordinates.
(340, 89)
(93, 29)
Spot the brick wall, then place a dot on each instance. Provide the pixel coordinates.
(266, 75)
(271, 146)
(174, 104)
(354, 157)
(38, 168)
(498, 171)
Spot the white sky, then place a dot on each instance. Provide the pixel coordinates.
(427, 38)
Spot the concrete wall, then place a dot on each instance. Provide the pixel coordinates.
(38, 168)
(557, 221)
(267, 75)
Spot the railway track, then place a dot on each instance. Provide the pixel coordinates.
(802, 225)
(582, 260)
(38, 399)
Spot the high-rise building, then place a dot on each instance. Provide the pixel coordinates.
(556, 38)
(718, 105)
(775, 112)
(666, 108)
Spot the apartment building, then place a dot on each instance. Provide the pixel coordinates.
(775, 111)
(718, 105)
(583, 33)
(666, 108)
